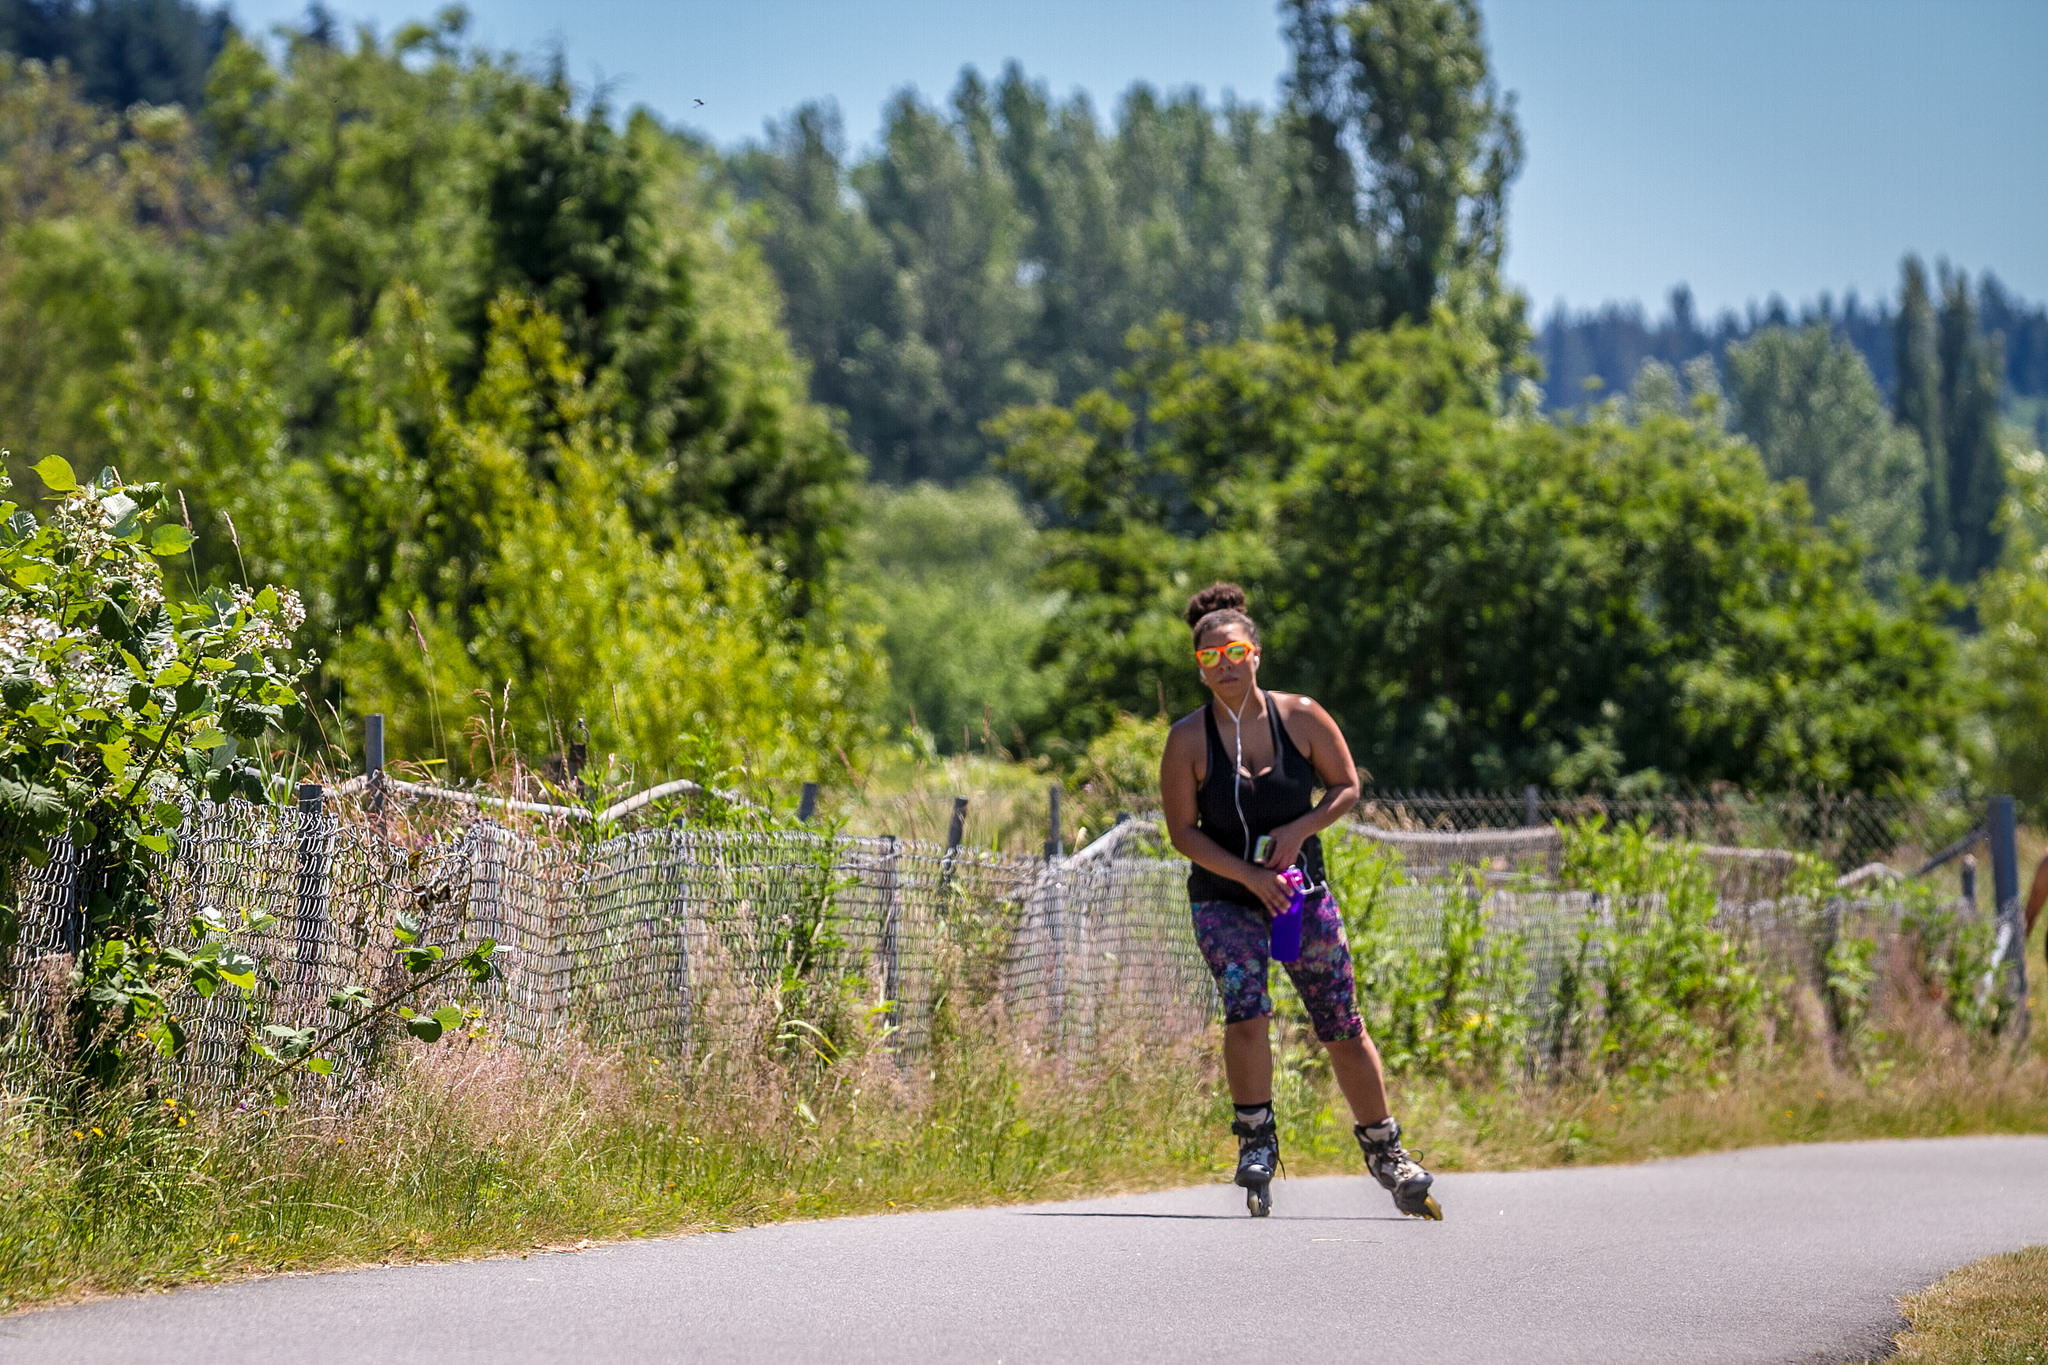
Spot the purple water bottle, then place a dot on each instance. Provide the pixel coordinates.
(1286, 946)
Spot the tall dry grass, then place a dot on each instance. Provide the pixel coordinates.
(471, 1147)
(795, 1104)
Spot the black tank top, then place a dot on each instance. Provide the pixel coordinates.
(1269, 801)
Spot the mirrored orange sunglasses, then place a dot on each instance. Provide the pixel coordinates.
(1237, 651)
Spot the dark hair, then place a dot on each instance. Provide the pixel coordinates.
(1216, 606)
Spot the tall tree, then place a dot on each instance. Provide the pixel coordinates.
(1405, 149)
(1916, 402)
(1969, 412)
(124, 52)
(1000, 250)
(1808, 402)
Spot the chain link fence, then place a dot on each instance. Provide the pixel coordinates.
(1848, 830)
(667, 940)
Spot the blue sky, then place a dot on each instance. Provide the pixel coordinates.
(1746, 147)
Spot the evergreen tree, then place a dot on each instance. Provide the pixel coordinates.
(1000, 252)
(1916, 402)
(124, 52)
(1969, 410)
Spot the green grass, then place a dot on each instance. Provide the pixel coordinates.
(1994, 1312)
(468, 1148)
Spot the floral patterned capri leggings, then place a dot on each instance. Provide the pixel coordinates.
(1234, 939)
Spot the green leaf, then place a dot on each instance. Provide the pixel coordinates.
(210, 738)
(31, 799)
(55, 472)
(347, 998)
(419, 959)
(424, 1027)
(448, 1016)
(477, 961)
(169, 814)
(292, 1043)
(237, 968)
(169, 539)
(320, 1066)
(168, 1035)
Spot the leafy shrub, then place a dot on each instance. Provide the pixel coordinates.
(1452, 1002)
(1671, 994)
(120, 705)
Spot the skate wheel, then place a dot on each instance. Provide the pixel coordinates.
(1430, 1209)
(1258, 1202)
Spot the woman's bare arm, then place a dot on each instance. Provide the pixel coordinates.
(1177, 788)
(1330, 756)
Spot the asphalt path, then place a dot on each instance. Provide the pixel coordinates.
(1795, 1254)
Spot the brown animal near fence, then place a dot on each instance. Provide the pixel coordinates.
(2037, 896)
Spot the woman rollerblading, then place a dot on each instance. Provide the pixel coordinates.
(1237, 784)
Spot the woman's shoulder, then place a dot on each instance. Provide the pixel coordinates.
(1189, 724)
(1294, 704)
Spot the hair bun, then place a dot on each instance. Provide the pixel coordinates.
(1215, 597)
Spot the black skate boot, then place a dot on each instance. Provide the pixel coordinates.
(1258, 1157)
(1396, 1171)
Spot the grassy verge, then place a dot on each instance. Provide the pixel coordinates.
(470, 1150)
(467, 1148)
(1992, 1313)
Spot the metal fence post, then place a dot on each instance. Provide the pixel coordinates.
(892, 975)
(807, 804)
(1532, 806)
(1969, 879)
(1056, 920)
(311, 910)
(373, 758)
(2011, 954)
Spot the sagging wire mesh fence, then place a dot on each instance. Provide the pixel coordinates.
(1848, 829)
(675, 939)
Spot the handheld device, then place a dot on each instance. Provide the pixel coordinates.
(1263, 849)
(1285, 945)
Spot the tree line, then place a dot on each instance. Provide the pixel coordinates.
(559, 420)
(1951, 362)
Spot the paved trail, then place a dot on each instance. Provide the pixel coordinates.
(1790, 1254)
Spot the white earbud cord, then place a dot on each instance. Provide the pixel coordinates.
(1237, 773)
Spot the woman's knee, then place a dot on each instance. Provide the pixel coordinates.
(1254, 1028)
